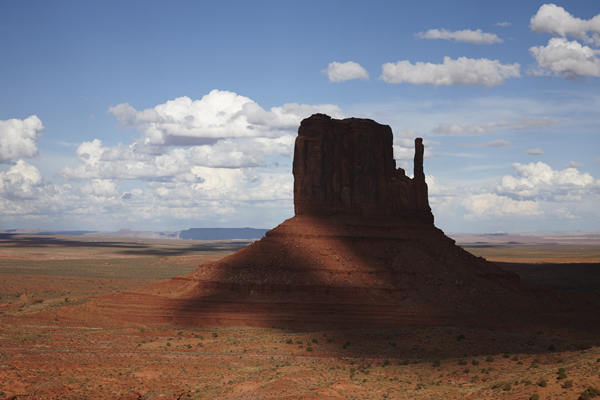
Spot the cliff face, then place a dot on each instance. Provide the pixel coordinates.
(347, 167)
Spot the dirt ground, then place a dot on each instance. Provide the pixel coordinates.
(53, 346)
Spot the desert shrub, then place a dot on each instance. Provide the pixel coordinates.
(352, 371)
(519, 362)
(505, 355)
(534, 396)
(562, 374)
(436, 363)
(489, 359)
(527, 382)
(344, 346)
(168, 343)
(215, 334)
(386, 362)
(281, 326)
(298, 341)
(515, 358)
(497, 385)
(329, 340)
(462, 362)
(289, 341)
(474, 362)
(38, 301)
(308, 348)
(542, 383)
(460, 337)
(466, 371)
(315, 340)
(567, 384)
(598, 360)
(552, 347)
(589, 393)
(405, 362)
(507, 387)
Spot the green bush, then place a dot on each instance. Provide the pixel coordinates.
(460, 337)
(489, 359)
(289, 341)
(386, 362)
(474, 362)
(38, 301)
(462, 362)
(436, 363)
(515, 358)
(542, 383)
(405, 362)
(552, 347)
(507, 387)
(215, 334)
(589, 393)
(505, 355)
(567, 384)
(534, 396)
(315, 340)
(562, 374)
(308, 348)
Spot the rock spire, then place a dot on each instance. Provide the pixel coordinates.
(347, 167)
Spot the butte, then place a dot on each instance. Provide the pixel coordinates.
(361, 251)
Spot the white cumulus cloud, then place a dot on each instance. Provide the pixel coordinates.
(18, 138)
(490, 205)
(460, 72)
(555, 20)
(340, 72)
(217, 115)
(466, 35)
(540, 181)
(568, 59)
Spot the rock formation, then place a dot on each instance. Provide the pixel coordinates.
(347, 167)
(361, 251)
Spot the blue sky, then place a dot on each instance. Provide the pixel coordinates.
(155, 115)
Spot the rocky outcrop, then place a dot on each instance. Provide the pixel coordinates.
(362, 251)
(347, 167)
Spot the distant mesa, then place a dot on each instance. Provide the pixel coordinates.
(361, 251)
(223, 233)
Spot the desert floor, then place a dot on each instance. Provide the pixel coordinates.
(52, 346)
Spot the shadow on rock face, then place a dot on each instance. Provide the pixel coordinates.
(361, 252)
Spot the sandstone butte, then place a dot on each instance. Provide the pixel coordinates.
(361, 251)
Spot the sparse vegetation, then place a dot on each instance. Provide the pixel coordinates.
(567, 384)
